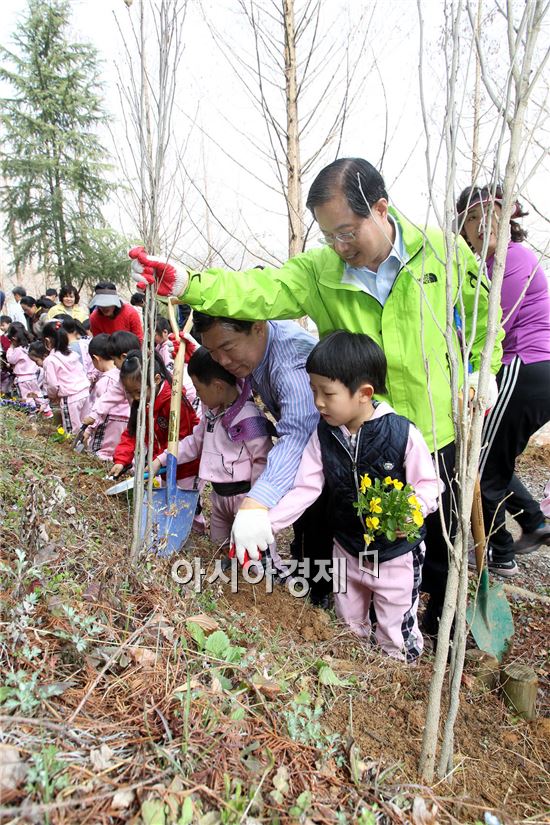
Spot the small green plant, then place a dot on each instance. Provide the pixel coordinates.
(304, 724)
(217, 646)
(368, 816)
(82, 628)
(45, 777)
(22, 692)
(237, 801)
(302, 805)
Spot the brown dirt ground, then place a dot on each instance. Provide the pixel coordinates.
(499, 763)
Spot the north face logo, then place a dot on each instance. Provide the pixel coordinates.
(429, 278)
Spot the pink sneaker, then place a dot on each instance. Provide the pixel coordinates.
(199, 525)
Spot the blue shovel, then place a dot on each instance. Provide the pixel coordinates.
(172, 509)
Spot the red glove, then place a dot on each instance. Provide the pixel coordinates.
(246, 559)
(190, 347)
(147, 271)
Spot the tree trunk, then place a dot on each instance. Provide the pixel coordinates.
(293, 166)
(477, 101)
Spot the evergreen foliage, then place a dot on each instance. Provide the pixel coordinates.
(54, 166)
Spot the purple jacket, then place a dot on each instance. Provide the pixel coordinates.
(525, 311)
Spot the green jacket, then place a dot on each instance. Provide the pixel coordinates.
(311, 284)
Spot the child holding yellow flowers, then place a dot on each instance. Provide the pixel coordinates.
(381, 483)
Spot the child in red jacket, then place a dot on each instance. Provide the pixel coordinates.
(131, 377)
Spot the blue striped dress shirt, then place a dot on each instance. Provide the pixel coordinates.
(282, 383)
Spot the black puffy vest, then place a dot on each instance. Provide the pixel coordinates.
(379, 451)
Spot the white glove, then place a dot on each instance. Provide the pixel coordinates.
(251, 533)
(492, 391)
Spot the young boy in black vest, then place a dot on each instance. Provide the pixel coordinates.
(377, 596)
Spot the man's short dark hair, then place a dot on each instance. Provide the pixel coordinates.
(351, 358)
(50, 291)
(19, 290)
(202, 323)
(202, 366)
(27, 301)
(356, 179)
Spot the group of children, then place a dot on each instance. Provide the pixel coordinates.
(97, 384)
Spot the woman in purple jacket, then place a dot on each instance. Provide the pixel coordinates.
(523, 404)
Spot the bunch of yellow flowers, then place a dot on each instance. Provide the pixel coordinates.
(388, 508)
(60, 435)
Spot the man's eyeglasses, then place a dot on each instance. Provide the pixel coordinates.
(342, 237)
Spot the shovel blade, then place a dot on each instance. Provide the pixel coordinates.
(490, 619)
(172, 524)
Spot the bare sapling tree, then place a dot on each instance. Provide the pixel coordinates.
(303, 84)
(505, 148)
(153, 50)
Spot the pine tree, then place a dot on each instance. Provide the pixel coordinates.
(53, 163)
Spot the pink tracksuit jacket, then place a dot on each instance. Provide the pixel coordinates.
(223, 461)
(110, 412)
(26, 377)
(65, 379)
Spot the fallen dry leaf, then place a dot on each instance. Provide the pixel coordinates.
(193, 685)
(122, 800)
(422, 814)
(91, 594)
(143, 656)
(207, 623)
(13, 769)
(267, 687)
(160, 624)
(101, 758)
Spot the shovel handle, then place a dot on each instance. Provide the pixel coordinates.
(177, 381)
(476, 518)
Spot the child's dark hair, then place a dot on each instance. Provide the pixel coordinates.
(202, 366)
(132, 369)
(138, 299)
(86, 326)
(5, 319)
(99, 346)
(38, 349)
(72, 325)
(351, 358)
(18, 332)
(163, 325)
(58, 336)
(122, 342)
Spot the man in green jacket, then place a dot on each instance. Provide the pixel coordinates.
(379, 274)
